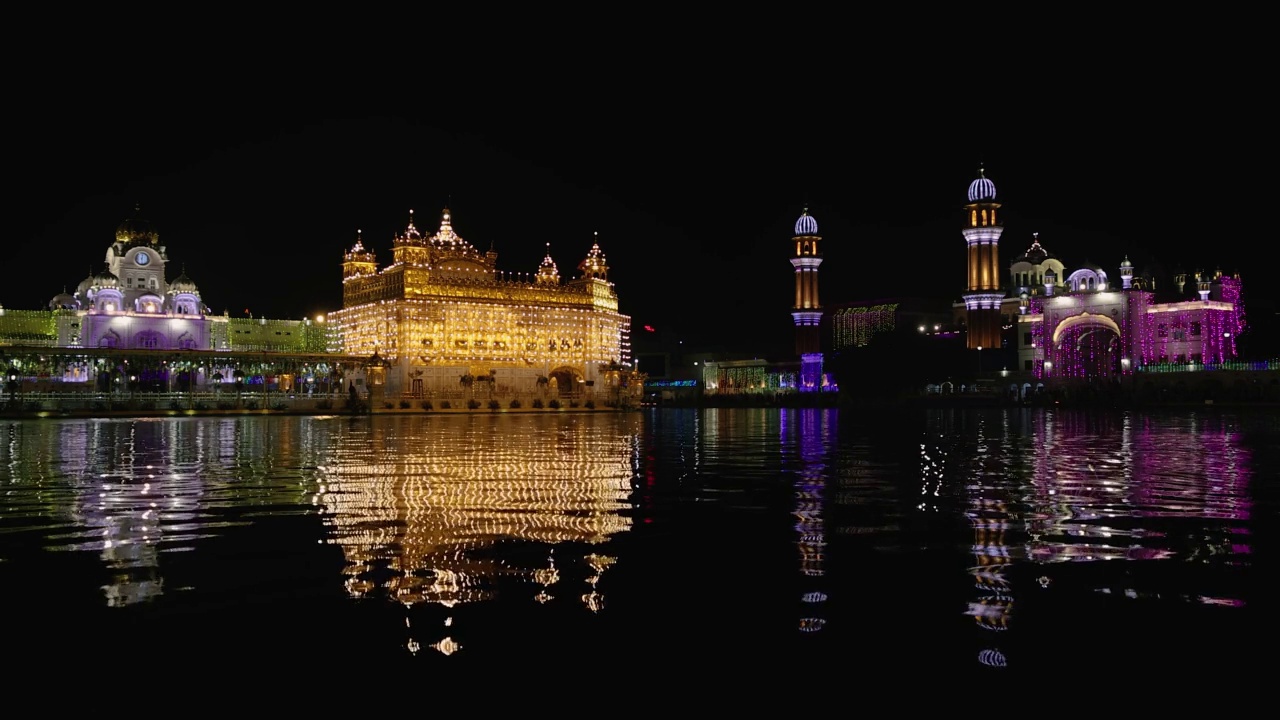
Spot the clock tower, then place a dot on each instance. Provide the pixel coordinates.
(137, 259)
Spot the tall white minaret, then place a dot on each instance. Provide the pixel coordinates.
(808, 311)
(983, 294)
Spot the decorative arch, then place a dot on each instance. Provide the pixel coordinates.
(149, 340)
(1086, 279)
(566, 380)
(1086, 347)
(149, 303)
(110, 339)
(1083, 318)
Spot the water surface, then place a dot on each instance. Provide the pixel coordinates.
(986, 542)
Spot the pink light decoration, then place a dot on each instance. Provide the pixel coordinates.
(1190, 334)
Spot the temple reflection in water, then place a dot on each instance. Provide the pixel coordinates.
(1045, 488)
(133, 490)
(418, 525)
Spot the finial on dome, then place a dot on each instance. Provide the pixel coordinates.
(548, 273)
(806, 224)
(982, 189)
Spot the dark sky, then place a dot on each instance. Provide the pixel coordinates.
(692, 178)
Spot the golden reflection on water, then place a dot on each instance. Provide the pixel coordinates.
(414, 505)
(416, 498)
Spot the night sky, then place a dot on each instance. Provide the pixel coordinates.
(693, 181)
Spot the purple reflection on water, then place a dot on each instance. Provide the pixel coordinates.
(815, 431)
(1096, 475)
(1168, 493)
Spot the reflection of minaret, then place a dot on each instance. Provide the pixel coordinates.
(815, 428)
(808, 311)
(989, 518)
(982, 294)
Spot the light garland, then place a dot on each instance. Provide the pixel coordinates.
(442, 304)
(857, 326)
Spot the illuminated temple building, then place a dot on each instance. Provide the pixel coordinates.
(130, 310)
(441, 312)
(1078, 325)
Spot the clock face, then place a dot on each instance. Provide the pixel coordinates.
(142, 258)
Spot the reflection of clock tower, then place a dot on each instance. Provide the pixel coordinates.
(137, 259)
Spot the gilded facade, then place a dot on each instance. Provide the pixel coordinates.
(446, 320)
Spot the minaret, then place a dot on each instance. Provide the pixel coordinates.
(808, 311)
(1126, 273)
(982, 296)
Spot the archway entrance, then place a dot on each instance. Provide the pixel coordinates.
(1087, 347)
(566, 382)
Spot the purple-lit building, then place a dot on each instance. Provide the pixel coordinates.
(1082, 326)
(1075, 323)
(130, 304)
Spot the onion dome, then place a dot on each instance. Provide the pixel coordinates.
(1125, 263)
(104, 279)
(183, 284)
(136, 230)
(547, 271)
(64, 301)
(593, 266)
(84, 285)
(981, 189)
(806, 225)
(1035, 254)
(447, 239)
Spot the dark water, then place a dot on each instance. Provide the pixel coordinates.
(965, 542)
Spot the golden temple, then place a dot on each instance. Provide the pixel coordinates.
(444, 317)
